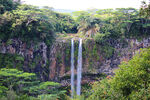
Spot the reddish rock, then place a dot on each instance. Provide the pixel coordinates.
(52, 68)
(62, 69)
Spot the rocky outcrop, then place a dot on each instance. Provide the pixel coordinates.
(95, 61)
(35, 55)
(123, 51)
(53, 63)
(59, 59)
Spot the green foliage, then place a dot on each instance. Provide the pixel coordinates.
(67, 53)
(78, 98)
(121, 22)
(100, 90)
(29, 23)
(144, 11)
(19, 58)
(86, 90)
(108, 51)
(106, 48)
(45, 84)
(101, 38)
(21, 83)
(134, 74)
(46, 88)
(13, 75)
(11, 95)
(48, 97)
(131, 81)
(11, 61)
(17, 80)
(3, 90)
(141, 94)
(8, 5)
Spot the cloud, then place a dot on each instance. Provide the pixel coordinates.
(85, 4)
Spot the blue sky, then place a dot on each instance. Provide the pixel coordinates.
(85, 4)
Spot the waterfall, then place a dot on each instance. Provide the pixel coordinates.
(72, 68)
(79, 68)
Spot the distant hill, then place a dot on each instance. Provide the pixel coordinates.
(64, 10)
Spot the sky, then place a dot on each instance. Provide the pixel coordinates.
(85, 4)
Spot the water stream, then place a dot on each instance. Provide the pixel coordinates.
(72, 67)
(79, 68)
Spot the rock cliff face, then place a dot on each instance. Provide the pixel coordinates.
(53, 63)
(97, 58)
(123, 51)
(35, 56)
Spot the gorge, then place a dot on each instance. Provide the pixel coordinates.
(50, 66)
(96, 54)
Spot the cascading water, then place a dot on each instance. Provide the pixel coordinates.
(72, 67)
(79, 68)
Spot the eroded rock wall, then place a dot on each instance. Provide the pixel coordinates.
(53, 63)
(96, 58)
(35, 55)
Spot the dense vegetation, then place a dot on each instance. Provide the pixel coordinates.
(18, 85)
(28, 23)
(32, 24)
(121, 22)
(131, 81)
(39, 24)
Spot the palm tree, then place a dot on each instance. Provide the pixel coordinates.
(88, 25)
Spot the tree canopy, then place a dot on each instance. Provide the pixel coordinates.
(131, 80)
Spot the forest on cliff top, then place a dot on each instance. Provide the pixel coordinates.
(33, 24)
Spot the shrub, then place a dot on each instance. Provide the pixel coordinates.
(101, 38)
(131, 81)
